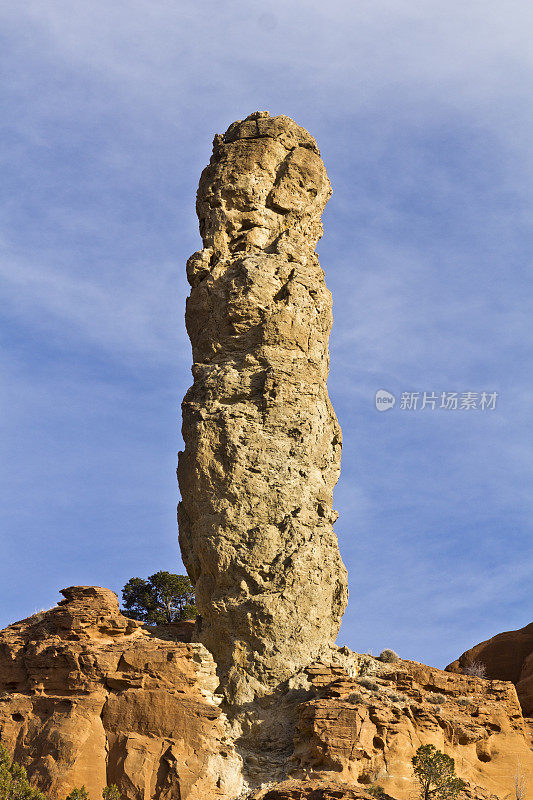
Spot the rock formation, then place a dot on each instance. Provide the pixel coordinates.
(506, 657)
(262, 443)
(365, 728)
(314, 790)
(88, 697)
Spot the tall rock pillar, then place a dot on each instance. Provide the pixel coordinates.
(262, 443)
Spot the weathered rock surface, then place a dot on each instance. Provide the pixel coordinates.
(507, 657)
(314, 790)
(90, 697)
(262, 443)
(365, 730)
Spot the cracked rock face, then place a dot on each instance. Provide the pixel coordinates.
(262, 443)
(89, 697)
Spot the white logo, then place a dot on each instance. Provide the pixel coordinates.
(384, 400)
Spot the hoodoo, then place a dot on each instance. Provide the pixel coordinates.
(262, 443)
(88, 696)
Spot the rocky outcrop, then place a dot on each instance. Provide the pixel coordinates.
(363, 730)
(507, 657)
(262, 443)
(90, 697)
(314, 790)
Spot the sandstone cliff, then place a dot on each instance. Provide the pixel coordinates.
(262, 443)
(506, 657)
(88, 696)
(365, 729)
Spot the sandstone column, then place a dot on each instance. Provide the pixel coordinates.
(262, 443)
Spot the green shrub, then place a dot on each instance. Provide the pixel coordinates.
(111, 793)
(14, 783)
(368, 683)
(398, 698)
(78, 794)
(435, 698)
(108, 793)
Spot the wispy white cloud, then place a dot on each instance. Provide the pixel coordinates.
(140, 315)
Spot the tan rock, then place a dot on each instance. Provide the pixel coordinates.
(507, 657)
(314, 790)
(365, 731)
(90, 697)
(262, 443)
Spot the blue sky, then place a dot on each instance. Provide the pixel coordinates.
(423, 114)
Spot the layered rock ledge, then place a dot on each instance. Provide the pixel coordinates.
(90, 697)
(507, 656)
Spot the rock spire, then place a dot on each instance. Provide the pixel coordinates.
(262, 443)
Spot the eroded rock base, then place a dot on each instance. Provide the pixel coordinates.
(90, 697)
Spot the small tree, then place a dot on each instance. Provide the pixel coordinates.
(162, 598)
(80, 793)
(111, 792)
(435, 772)
(14, 784)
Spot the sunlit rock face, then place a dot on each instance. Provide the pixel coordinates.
(89, 697)
(262, 443)
(507, 656)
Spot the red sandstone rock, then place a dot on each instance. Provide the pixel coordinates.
(363, 731)
(507, 657)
